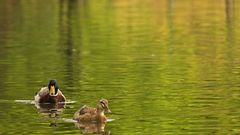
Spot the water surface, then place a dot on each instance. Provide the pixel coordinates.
(166, 67)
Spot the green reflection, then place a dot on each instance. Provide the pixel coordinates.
(167, 67)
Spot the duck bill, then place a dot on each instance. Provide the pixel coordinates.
(52, 91)
(108, 110)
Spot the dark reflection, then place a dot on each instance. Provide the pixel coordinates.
(6, 14)
(229, 19)
(230, 33)
(67, 17)
(65, 14)
(170, 26)
(229, 11)
(96, 128)
(53, 111)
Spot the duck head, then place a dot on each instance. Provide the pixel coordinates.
(53, 87)
(103, 105)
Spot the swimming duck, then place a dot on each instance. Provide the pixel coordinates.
(89, 114)
(50, 94)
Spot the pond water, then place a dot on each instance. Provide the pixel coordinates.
(166, 67)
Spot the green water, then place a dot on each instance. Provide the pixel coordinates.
(166, 66)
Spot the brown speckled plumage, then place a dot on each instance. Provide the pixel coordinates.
(89, 114)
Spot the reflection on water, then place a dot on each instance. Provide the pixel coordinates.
(97, 128)
(25, 101)
(51, 109)
(167, 67)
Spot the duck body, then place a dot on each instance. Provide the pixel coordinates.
(90, 114)
(43, 96)
(50, 94)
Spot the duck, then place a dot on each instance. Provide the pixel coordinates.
(90, 114)
(50, 94)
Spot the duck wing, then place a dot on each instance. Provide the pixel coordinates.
(85, 109)
(43, 91)
(85, 114)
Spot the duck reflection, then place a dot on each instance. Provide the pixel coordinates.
(47, 108)
(52, 110)
(92, 128)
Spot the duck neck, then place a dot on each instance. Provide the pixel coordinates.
(100, 112)
(100, 115)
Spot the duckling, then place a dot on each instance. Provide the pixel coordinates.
(89, 114)
(50, 94)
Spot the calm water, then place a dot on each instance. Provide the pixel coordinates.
(167, 67)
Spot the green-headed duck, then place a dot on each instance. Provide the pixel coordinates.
(50, 94)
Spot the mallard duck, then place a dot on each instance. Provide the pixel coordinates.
(89, 114)
(50, 94)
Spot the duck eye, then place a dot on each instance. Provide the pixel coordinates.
(103, 104)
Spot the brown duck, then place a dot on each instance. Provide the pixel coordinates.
(89, 114)
(50, 94)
